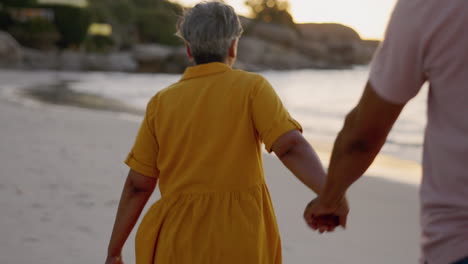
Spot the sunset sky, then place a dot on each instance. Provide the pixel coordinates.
(367, 17)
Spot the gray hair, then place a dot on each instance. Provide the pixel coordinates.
(209, 29)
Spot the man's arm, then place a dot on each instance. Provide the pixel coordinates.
(364, 133)
(136, 192)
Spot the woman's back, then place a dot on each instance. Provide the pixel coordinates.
(206, 133)
(208, 129)
(202, 137)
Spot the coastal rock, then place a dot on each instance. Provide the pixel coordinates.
(71, 61)
(365, 51)
(77, 61)
(160, 58)
(177, 61)
(329, 33)
(278, 34)
(151, 57)
(151, 52)
(335, 43)
(263, 46)
(309, 45)
(262, 54)
(10, 51)
(121, 61)
(39, 60)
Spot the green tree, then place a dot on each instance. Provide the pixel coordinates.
(147, 3)
(5, 20)
(120, 14)
(271, 11)
(72, 24)
(17, 3)
(157, 24)
(36, 33)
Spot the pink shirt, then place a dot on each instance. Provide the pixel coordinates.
(427, 40)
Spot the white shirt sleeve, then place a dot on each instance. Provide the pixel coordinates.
(397, 69)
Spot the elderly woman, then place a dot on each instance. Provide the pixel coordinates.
(201, 139)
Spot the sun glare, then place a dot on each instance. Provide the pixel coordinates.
(368, 17)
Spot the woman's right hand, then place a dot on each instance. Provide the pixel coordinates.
(325, 218)
(114, 260)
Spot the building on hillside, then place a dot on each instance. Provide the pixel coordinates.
(80, 3)
(99, 29)
(27, 14)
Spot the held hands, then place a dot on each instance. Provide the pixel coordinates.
(325, 218)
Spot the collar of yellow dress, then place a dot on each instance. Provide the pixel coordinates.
(205, 69)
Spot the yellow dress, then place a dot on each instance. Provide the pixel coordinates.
(202, 136)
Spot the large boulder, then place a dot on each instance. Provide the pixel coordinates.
(365, 51)
(40, 60)
(309, 45)
(337, 44)
(178, 61)
(151, 57)
(328, 33)
(10, 51)
(71, 61)
(255, 53)
(160, 58)
(278, 34)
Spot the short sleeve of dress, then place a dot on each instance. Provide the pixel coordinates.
(397, 70)
(270, 117)
(143, 155)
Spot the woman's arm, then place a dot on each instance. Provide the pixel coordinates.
(136, 192)
(300, 158)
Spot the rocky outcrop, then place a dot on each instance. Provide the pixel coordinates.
(278, 34)
(77, 61)
(263, 46)
(302, 46)
(10, 51)
(256, 54)
(120, 61)
(159, 58)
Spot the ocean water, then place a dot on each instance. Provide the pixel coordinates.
(318, 99)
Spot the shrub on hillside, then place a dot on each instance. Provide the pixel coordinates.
(17, 3)
(36, 33)
(271, 11)
(5, 20)
(99, 44)
(72, 23)
(157, 26)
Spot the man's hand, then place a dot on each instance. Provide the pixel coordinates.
(325, 218)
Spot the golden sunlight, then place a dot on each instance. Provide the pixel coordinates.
(368, 17)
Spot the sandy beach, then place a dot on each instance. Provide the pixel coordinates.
(62, 173)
